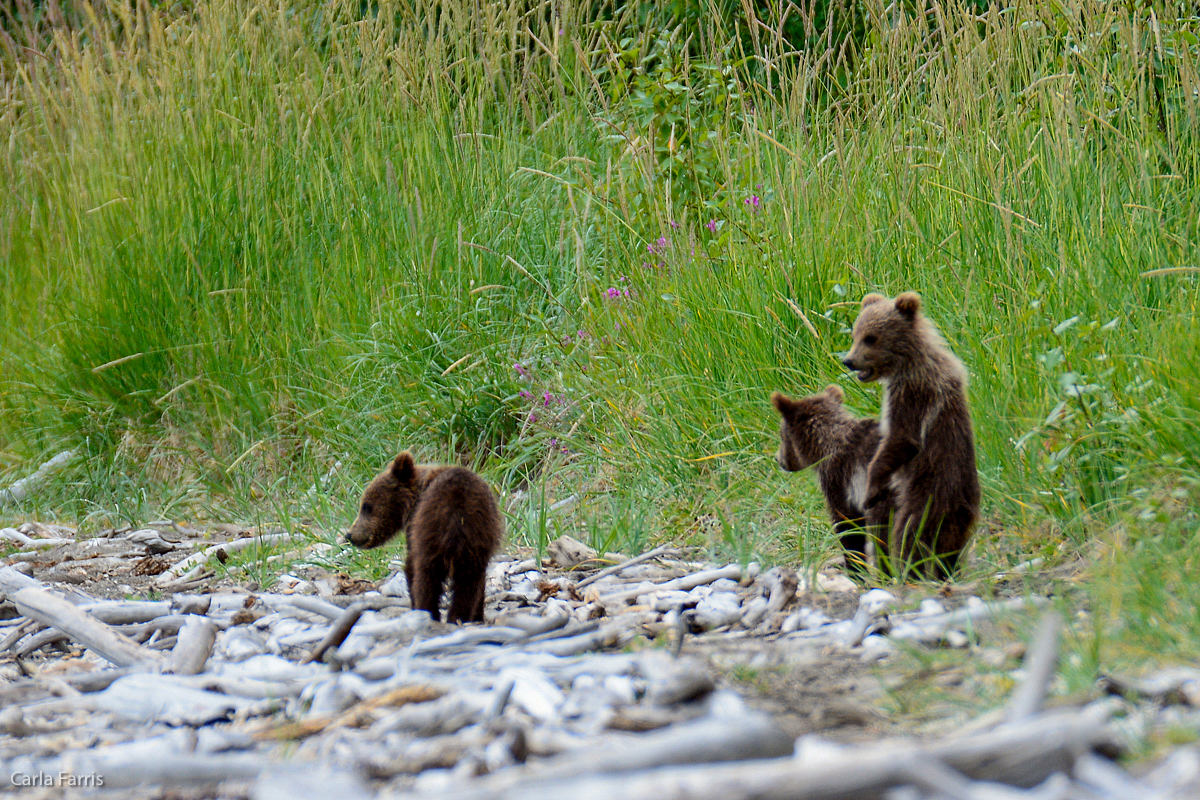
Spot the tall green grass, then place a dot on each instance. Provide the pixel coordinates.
(244, 242)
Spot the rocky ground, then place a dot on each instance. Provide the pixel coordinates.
(131, 668)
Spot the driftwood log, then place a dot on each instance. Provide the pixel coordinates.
(195, 644)
(53, 611)
(1041, 659)
(1022, 754)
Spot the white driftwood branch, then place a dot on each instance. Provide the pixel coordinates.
(782, 583)
(21, 489)
(12, 582)
(1023, 754)
(196, 561)
(686, 583)
(338, 632)
(196, 639)
(930, 629)
(53, 611)
(127, 612)
(1040, 661)
(618, 568)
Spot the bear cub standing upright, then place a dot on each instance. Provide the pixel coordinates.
(819, 430)
(450, 523)
(925, 464)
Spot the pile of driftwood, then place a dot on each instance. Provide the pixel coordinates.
(305, 693)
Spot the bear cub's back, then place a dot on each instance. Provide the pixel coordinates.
(458, 509)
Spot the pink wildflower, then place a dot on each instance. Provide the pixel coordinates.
(659, 245)
(711, 225)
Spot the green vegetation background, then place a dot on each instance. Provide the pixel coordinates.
(250, 251)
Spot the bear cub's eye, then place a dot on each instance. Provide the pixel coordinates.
(870, 340)
(366, 509)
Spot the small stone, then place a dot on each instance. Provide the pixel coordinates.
(150, 565)
(813, 618)
(395, 586)
(876, 600)
(930, 607)
(956, 638)
(65, 574)
(12, 723)
(835, 583)
(993, 657)
(343, 584)
(566, 552)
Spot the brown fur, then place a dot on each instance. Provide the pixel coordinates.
(926, 461)
(819, 430)
(451, 526)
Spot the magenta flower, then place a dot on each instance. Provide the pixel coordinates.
(521, 370)
(547, 398)
(673, 223)
(754, 201)
(532, 417)
(525, 395)
(659, 245)
(711, 225)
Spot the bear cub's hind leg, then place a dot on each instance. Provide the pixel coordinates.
(429, 576)
(467, 603)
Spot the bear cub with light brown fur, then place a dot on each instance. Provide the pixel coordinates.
(451, 525)
(925, 465)
(818, 430)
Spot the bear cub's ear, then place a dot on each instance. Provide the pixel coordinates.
(908, 303)
(784, 405)
(871, 299)
(403, 467)
(835, 393)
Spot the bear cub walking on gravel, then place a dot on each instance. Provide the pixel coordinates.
(819, 430)
(451, 525)
(925, 465)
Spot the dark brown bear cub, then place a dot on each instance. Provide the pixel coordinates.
(819, 430)
(926, 462)
(450, 523)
